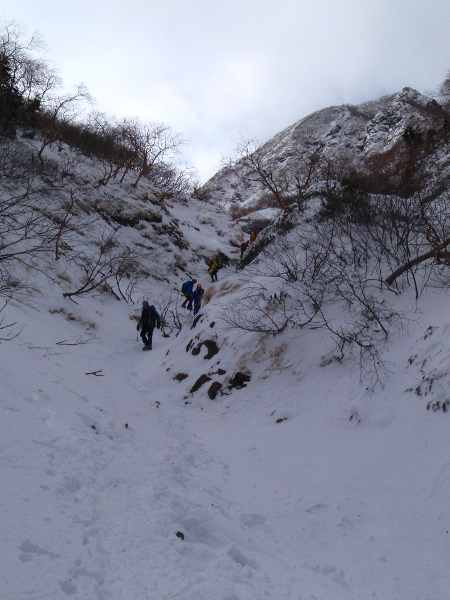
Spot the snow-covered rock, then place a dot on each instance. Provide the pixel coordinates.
(352, 134)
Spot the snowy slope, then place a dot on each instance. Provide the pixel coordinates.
(124, 479)
(345, 498)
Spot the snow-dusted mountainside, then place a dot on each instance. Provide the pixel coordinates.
(96, 222)
(351, 134)
(290, 442)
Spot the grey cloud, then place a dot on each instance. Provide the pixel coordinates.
(216, 70)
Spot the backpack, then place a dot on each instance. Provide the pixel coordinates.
(186, 287)
(153, 317)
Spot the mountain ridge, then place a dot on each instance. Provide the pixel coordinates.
(352, 134)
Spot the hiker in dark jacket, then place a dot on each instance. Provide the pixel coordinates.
(187, 288)
(149, 318)
(196, 298)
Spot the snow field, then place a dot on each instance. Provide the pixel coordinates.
(103, 471)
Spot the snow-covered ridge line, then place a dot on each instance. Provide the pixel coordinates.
(352, 135)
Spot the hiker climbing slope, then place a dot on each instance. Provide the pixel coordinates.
(244, 247)
(187, 288)
(213, 269)
(149, 318)
(196, 298)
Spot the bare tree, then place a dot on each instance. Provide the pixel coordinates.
(416, 233)
(26, 78)
(110, 264)
(64, 224)
(24, 228)
(314, 278)
(60, 112)
(13, 57)
(251, 164)
(8, 331)
(167, 304)
(171, 181)
(109, 141)
(153, 146)
(286, 184)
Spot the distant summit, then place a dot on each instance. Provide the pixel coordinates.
(354, 136)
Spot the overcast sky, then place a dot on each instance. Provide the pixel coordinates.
(215, 71)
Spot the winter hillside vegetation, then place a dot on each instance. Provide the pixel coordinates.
(290, 441)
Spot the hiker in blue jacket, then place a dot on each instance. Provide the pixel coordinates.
(187, 288)
(196, 298)
(149, 318)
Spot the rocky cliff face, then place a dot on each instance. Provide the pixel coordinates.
(354, 135)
